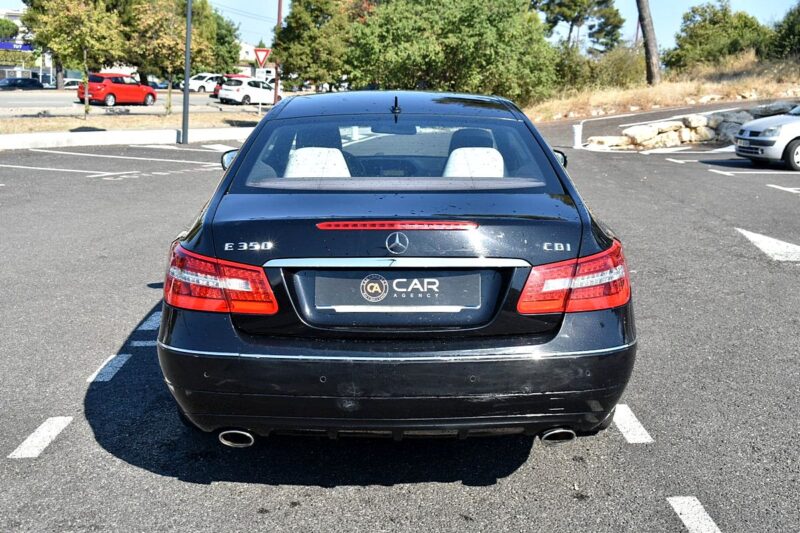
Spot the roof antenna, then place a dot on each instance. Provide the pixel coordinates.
(396, 107)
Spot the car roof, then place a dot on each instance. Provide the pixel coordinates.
(418, 102)
(111, 75)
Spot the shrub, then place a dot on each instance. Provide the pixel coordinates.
(623, 67)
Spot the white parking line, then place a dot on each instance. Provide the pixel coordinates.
(139, 344)
(681, 161)
(41, 438)
(219, 147)
(51, 169)
(629, 426)
(109, 368)
(693, 515)
(152, 322)
(776, 249)
(82, 154)
(793, 190)
(171, 147)
(750, 172)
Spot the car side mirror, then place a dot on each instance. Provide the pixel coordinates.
(227, 158)
(562, 157)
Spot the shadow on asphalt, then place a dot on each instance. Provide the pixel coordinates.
(241, 123)
(134, 417)
(740, 164)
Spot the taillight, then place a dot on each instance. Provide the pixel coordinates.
(599, 281)
(203, 283)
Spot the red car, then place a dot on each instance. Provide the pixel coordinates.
(222, 80)
(112, 89)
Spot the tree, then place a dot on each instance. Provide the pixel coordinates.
(313, 43)
(786, 42)
(603, 20)
(650, 44)
(79, 32)
(710, 32)
(226, 45)
(460, 45)
(8, 30)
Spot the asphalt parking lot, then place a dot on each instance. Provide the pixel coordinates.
(706, 441)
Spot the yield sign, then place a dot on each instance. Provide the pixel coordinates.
(261, 55)
(775, 249)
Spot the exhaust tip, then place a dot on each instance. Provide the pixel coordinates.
(236, 438)
(553, 437)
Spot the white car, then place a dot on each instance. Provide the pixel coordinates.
(247, 91)
(71, 83)
(771, 139)
(203, 82)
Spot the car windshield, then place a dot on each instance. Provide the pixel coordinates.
(4, 82)
(381, 152)
(96, 79)
(795, 112)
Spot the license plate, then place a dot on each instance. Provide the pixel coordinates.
(742, 142)
(397, 292)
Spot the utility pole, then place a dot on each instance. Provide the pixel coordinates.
(277, 66)
(187, 72)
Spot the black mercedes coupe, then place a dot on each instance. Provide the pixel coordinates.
(400, 264)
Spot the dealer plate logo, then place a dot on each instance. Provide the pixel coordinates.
(374, 288)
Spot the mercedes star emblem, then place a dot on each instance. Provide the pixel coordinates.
(397, 242)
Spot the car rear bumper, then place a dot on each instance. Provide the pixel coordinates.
(574, 380)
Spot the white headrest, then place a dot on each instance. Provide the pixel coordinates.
(474, 163)
(315, 162)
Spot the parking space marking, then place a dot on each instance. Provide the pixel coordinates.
(681, 161)
(140, 344)
(152, 322)
(776, 249)
(41, 438)
(82, 154)
(51, 169)
(693, 515)
(629, 426)
(172, 147)
(750, 172)
(219, 147)
(109, 368)
(793, 190)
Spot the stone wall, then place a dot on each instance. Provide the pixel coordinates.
(691, 129)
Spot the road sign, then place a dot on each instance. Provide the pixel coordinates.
(261, 55)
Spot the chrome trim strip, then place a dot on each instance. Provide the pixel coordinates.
(397, 308)
(421, 359)
(396, 262)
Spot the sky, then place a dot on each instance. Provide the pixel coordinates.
(257, 18)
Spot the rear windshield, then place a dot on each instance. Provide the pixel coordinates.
(233, 83)
(96, 79)
(379, 152)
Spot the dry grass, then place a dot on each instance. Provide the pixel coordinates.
(122, 122)
(742, 77)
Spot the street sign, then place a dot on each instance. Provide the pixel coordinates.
(261, 55)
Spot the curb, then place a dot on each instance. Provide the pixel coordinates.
(57, 139)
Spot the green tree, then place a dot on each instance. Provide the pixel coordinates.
(787, 35)
(226, 45)
(79, 32)
(602, 19)
(8, 30)
(158, 43)
(313, 43)
(455, 45)
(710, 32)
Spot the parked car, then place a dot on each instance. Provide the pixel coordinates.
(71, 83)
(771, 139)
(203, 82)
(20, 84)
(442, 275)
(223, 79)
(112, 89)
(247, 91)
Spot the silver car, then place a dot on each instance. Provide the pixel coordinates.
(771, 139)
